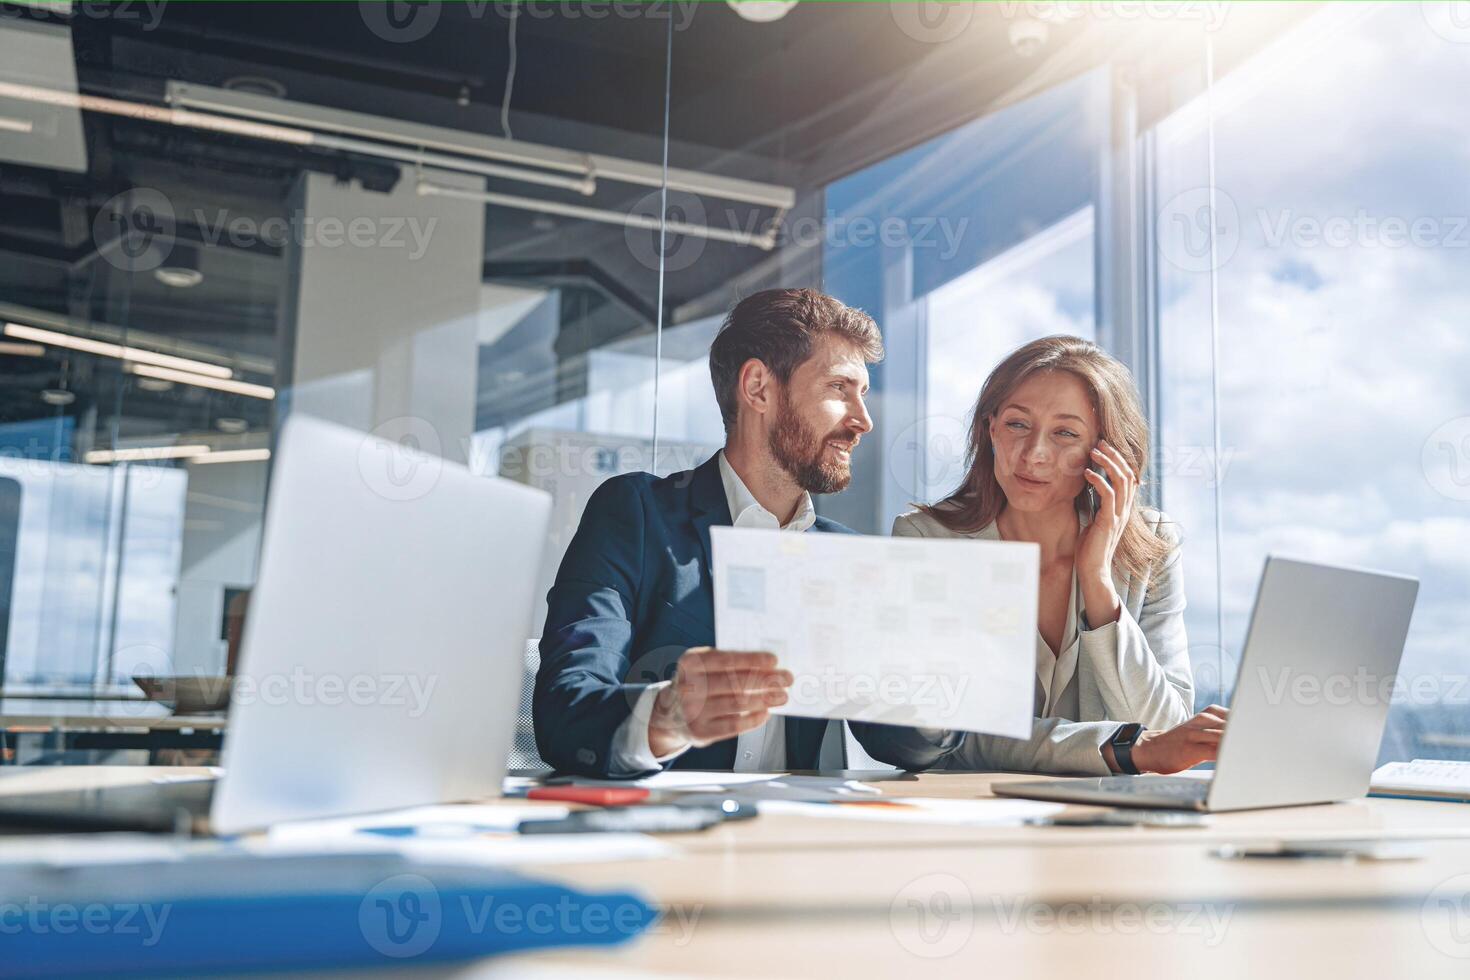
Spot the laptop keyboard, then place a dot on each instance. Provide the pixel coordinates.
(1177, 787)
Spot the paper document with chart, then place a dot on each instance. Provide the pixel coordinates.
(934, 633)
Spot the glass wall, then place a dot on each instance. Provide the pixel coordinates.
(1342, 261)
(982, 239)
(171, 292)
(973, 175)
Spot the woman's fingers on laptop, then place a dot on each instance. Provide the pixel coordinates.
(1213, 717)
(1182, 747)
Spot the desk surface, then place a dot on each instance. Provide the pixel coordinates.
(17, 713)
(51, 779)
(803, 897)
(799, 897)
(1371, 818)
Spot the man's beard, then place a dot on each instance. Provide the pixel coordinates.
(802, 454)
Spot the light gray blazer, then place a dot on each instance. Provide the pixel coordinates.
(1136, 669)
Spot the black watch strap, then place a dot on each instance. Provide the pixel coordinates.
(1122, 743)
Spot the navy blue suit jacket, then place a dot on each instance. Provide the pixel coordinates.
(632, 594)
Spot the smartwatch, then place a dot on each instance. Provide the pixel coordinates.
(1122, 743)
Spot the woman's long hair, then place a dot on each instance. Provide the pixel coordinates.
(978, 500)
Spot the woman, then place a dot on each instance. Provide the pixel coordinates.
(1058, 443)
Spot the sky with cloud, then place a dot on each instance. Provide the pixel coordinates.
(1344, 347)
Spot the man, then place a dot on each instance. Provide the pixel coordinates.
(629, 682)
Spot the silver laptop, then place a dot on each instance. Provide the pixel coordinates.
(1311, 699)
(383, 649)
(381, 662)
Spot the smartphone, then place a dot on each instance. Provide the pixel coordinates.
(1092, 501)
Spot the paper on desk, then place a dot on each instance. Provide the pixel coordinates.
(1432, 776)
(493, 818)
(463, 834)
(741, 785)
(967, 813)
(937, 633)
(521, 849)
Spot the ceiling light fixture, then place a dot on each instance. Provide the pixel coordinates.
(761, 11)
(9, 125)
(22, 350)
(153, 113)
(200, 381)
(135, 454)
(231, 456)
(255, 85)
(416, 143)
(119, 351)
(374, 135)
(182, 270)
(178, 278)
(58, 396)
(765, 240)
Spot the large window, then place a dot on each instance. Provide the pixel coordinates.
(964, 248)
(1342, 256)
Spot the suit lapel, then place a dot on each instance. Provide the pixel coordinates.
(708, 506)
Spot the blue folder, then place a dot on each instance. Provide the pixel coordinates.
(236, 913)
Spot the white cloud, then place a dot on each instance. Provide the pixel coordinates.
(1328, 394)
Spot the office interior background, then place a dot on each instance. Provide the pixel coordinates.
(505, 233)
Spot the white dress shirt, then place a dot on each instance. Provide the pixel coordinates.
(1056, 695)
(761, 749)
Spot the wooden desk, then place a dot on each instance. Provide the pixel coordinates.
(1306, 943)
(51, 779)
(799, 897)
(1367, 818)
(110, 724)
(808, 898)
(109, 715)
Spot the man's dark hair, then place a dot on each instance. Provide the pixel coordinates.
(779, 327)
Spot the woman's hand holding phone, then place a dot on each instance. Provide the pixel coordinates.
(1116, 488)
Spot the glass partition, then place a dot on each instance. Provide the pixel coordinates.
(450, 267)
(985, 238)
(1341, 257)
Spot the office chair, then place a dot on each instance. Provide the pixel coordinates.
(523, 755)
